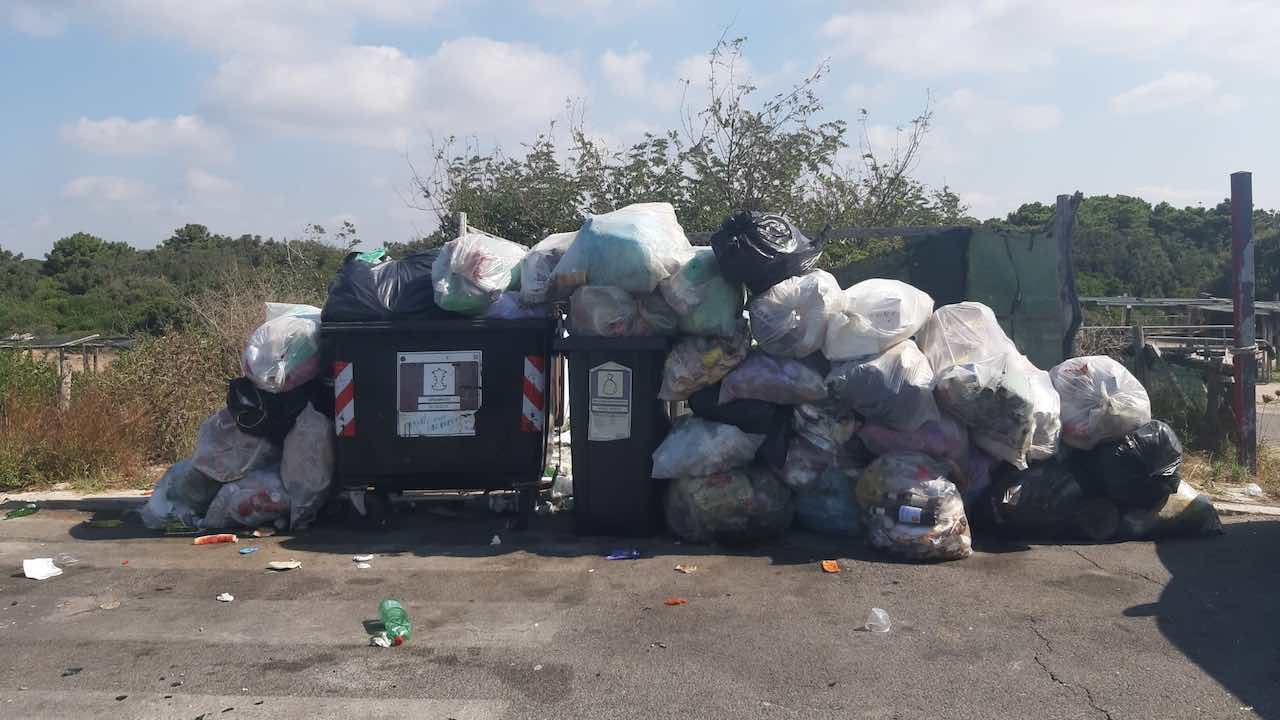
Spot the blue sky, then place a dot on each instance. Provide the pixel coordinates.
(128, 118)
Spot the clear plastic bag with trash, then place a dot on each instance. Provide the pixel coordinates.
(538, 265)
(912, 509)
(944, 438)
(740, 506)
(254, 501)
(473, 270)
(697, 447)
(509, 306)
(284, 351)
(781, 380)
(695, 362)
(806, 462)
(607, 311)
(306, 467)
(1002, 402)
(1185, 513)
(634, 248)
(705, 301)
(873, 316)
(828, 506)
(182, 495)
(961, 334)
(226, 454)
(825, 425)
(790, 318)
(1101, 400)
(894, 388)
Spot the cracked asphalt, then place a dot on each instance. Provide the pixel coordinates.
(542, 626)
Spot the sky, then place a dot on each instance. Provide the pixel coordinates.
(129, 118)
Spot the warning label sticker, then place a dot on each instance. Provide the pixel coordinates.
(438, 393)
(609, 405)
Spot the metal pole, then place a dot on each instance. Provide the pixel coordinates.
(1244, 360)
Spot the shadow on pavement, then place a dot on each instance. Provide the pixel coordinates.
(1219, 609)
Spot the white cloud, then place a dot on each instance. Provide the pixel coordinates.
(984, 115)
(121, 136)
(106, 188)
(203, 182)
(41, 18)
(1227, 103)
(628, 77)
(936, 37)
(1169, 91)
(382, 97)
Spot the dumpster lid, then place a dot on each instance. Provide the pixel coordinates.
(592, 342)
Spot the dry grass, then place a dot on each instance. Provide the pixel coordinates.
(1211, 471)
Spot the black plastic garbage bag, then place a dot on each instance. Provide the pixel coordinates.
(1138, 471)
(391, 290)
(263, 414)
(761, 250)
(1046, 501)
(755, 417)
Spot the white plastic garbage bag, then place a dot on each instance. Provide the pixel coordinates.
(306, 466)
(912, 510)
(706, 302)
(226, 454)
(1047, 414)
(634, 248)
(695, 362)
(781, 380)
(182, 495)
(1185, 513)
(539, 263)
(997, 399)
(254, 501)
(894, 388)
(791, 318)
(1101, 400)
(966, 332)
(875, 315)
(471, 271)
(697, 447)
(284, 352)
(739, 506)
(607, 311)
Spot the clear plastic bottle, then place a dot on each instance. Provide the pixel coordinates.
(395, 621)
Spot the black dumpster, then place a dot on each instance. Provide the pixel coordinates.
(456, 404)
(616, 422)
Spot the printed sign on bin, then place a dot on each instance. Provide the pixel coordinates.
(609, 406)
(438, 393)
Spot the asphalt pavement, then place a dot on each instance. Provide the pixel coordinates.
(541, 626)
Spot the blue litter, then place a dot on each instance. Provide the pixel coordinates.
(629, 554)
(247, 550)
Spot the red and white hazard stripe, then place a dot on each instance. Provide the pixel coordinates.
(344, 399)
(534, 404)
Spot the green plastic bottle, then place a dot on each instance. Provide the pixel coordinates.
(395, 621)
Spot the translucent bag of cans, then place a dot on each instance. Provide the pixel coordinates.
(695, 362)
(1185, 513)
(306, 466)
(781, 380)
(284, 352)
(912, 509)
(790, 318)
(182, 495)
(1101, 400)
(226, 454)
(828, 506)
(706, 302)
(471, 271)
(256, 500)
(740, 506)
(538, 265)
(873, 316)
(894, 388)
(634, 248)
(697, 447)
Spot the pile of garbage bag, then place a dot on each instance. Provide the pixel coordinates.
(473, 270)
(266, 459)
